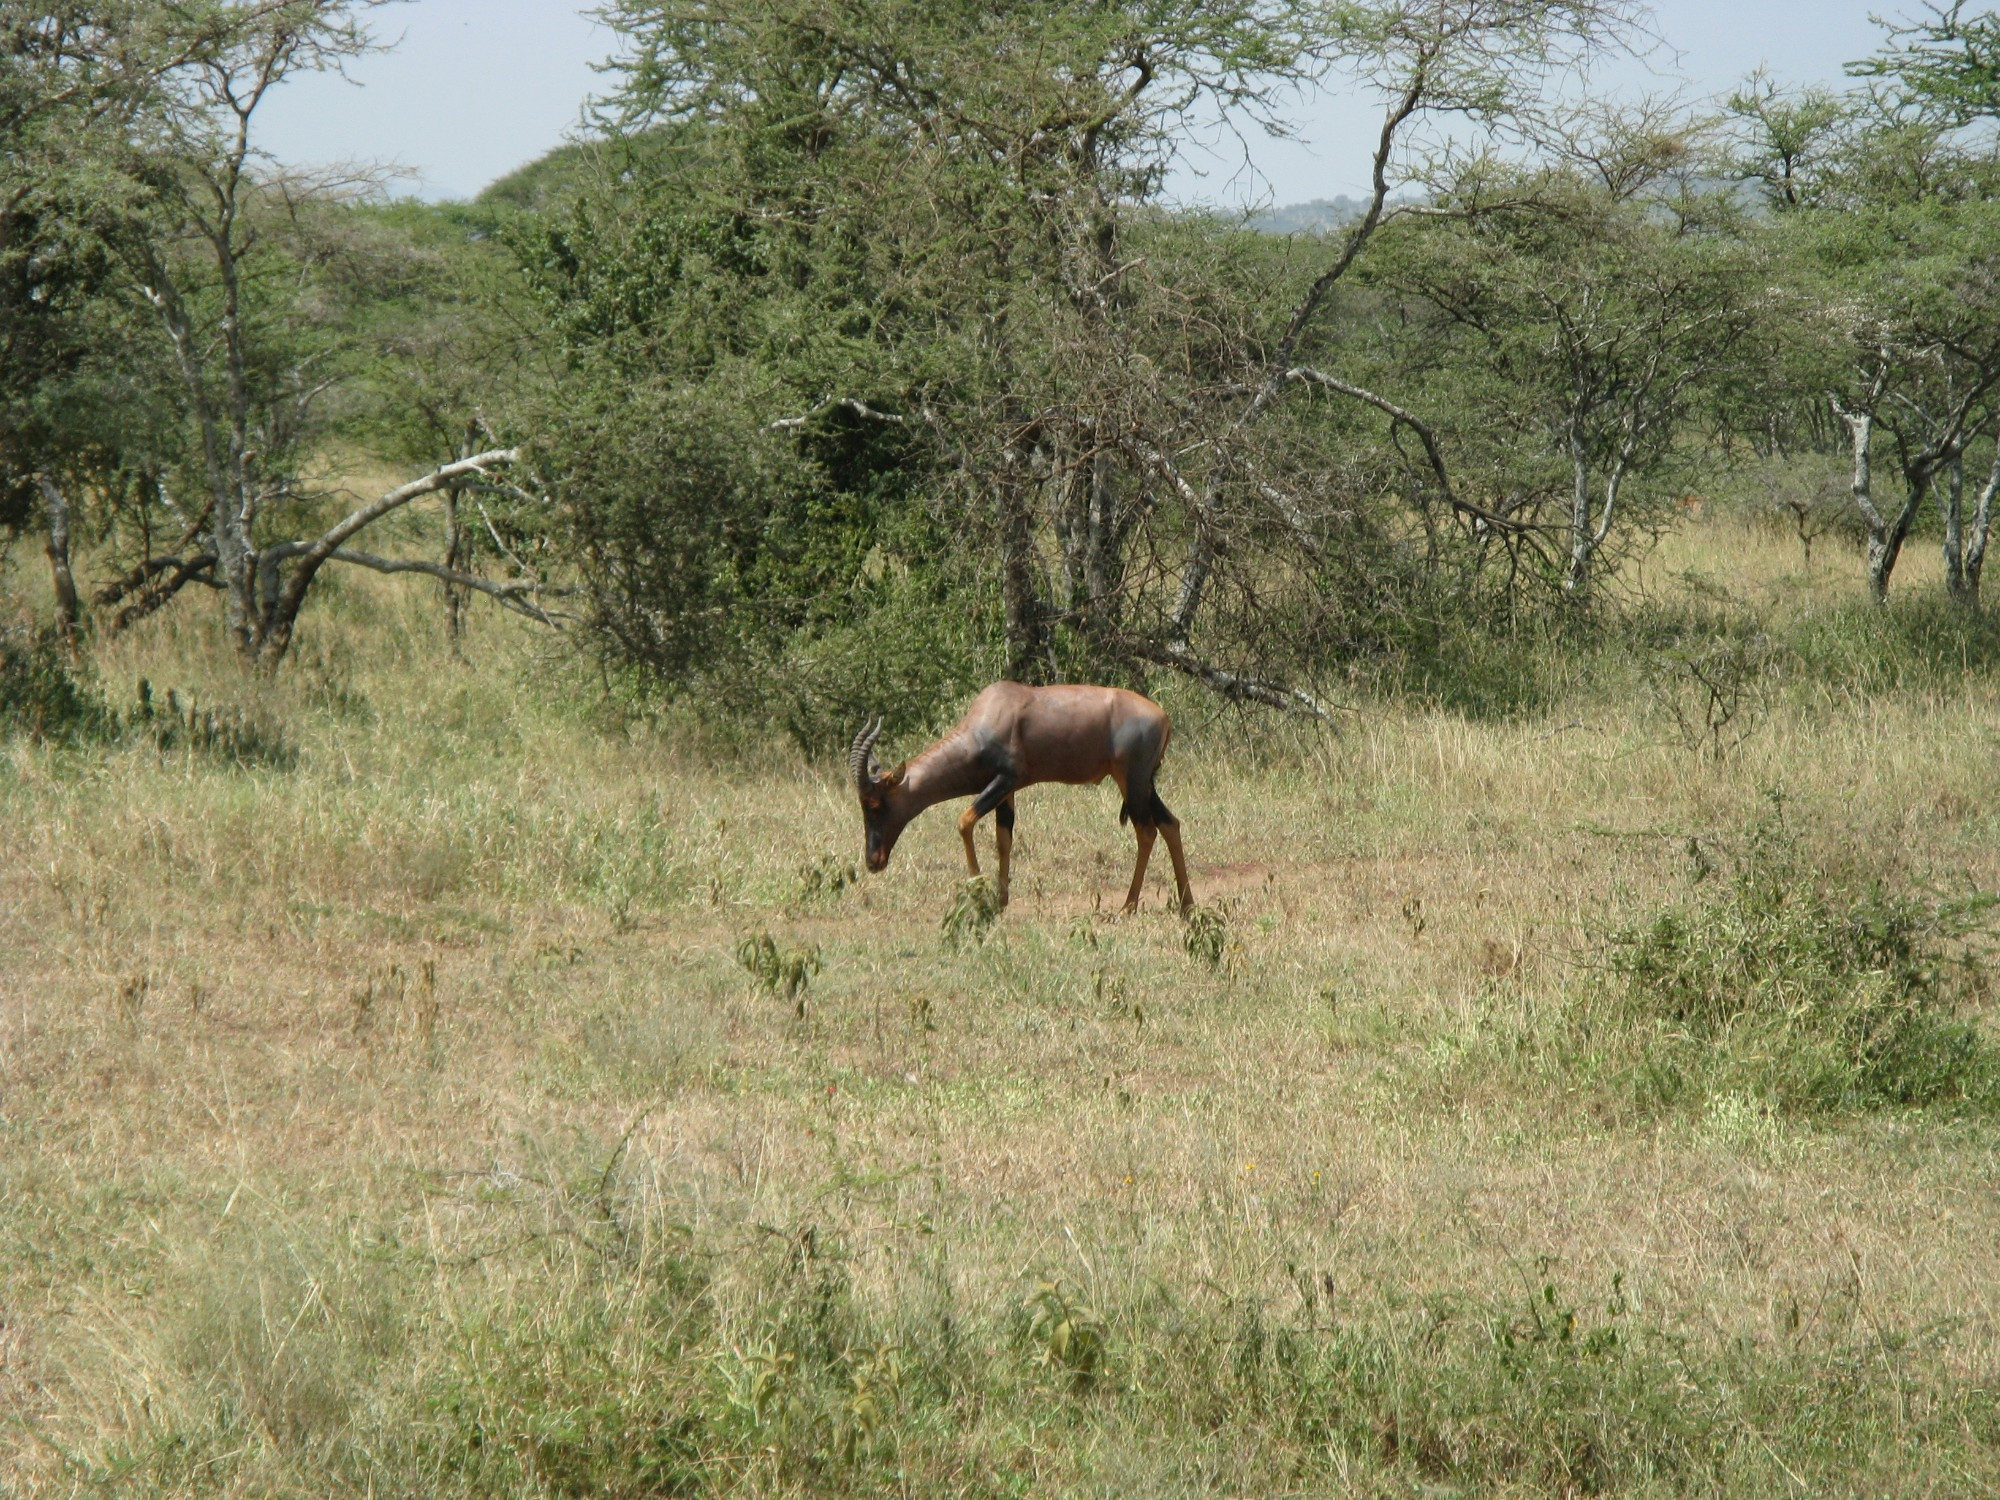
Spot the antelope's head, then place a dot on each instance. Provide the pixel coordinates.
(881, 812)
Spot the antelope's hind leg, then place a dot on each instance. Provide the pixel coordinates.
(1003, 837)
(1146, 833)
(1170, 827)
(1150, 817)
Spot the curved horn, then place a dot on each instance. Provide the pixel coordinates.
(861, 755)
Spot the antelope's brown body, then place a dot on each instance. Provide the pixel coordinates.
(1014, 736)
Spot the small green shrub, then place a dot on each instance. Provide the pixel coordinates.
(1816, 988)
(43, 697)
(779, 971)
(1205, 935)
(972, 913)
(1064, 1334)
(825, 878)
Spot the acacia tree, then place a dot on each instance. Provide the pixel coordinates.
(1946, 63)
(920, 236)
(1908, 324)
(1789, 142)
(220, 262)
(75, 408)
(1600, 316)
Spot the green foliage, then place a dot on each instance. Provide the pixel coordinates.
(898, 279)
(975, 907)
(825, 878)
(1205, 935)
(1948, 62)
(1065, 1334)
(601, 1391)
(1787, 141)
(1814, 986)
(1489, 659)
(1575, 346)
(1913, 644)
(779, 971)
(614, 1353)
(43, 697)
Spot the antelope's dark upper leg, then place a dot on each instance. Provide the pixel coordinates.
(998, 790)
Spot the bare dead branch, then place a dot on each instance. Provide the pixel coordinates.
(517, 594)
(161, 589)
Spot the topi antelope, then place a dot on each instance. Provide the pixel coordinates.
(1014, 736)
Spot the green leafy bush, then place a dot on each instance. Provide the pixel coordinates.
(45, 698)
(1815, 987)
(974, 908)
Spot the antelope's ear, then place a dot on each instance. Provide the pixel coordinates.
(895, 777)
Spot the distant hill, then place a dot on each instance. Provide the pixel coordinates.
(1316, 217)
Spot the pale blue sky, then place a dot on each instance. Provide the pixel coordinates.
(474, 88)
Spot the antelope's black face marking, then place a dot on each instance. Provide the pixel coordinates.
(881, 831)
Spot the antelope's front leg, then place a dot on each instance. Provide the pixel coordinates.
(999, 790)
(967, 821)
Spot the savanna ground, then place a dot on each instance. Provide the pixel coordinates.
(386, 1105)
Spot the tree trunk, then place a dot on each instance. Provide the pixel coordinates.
(1951, 502)
(1982, 527)
(69, 610)
(1885, 534)
(457, 557)
(1885, 545)
(1582, 539)
(1026, 621)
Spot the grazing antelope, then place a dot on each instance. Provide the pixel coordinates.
(1014, 736)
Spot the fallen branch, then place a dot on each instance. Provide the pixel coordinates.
(1232, 685)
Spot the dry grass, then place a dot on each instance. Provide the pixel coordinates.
(418, 1092)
